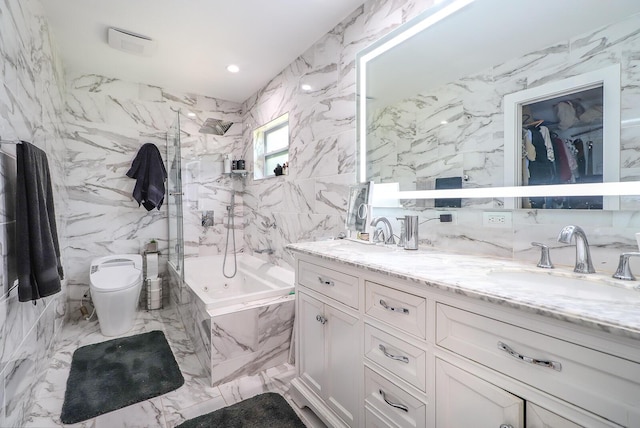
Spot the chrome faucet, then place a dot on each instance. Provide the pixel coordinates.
(387, 239)
(583, 255)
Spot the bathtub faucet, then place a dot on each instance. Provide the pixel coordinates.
(263, 251)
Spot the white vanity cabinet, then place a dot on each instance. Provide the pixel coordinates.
(379, 350)
(327, 351)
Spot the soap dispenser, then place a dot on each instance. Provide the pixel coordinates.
(411, 232)
(227, 164)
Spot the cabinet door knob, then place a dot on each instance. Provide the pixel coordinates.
(321, 319)
(544, 363)
(506, 426)
(392, 404)
(326, 281)
(392, 309)
(393, 357)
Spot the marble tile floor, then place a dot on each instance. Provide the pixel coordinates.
(194, 398)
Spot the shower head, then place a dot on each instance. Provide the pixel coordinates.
(215, 126)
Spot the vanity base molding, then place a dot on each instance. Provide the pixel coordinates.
(303, 397)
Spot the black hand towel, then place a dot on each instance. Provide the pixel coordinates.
(39, 267)
(148, 169)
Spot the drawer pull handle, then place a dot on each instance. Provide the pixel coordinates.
(550, 364)
(326, 281)
(392, 404)
(321, 319)
(393, 357)
(392, 309)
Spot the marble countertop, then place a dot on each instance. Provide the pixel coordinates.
(595, 300)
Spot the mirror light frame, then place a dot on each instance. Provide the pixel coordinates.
(406, 31)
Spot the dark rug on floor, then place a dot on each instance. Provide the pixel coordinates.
(264, 410)
(114, 374)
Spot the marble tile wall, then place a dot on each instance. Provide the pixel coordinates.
(251, 340)
(309, 203)
(31, 109)
(107, 121)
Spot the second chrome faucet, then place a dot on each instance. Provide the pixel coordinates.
(583, 254)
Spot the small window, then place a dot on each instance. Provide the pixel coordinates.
(271, 148)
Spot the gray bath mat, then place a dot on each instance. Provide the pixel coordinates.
(264, 410)
(114, 374)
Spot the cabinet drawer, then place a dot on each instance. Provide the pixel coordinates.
(399, 357)
(601, 383)
(400, 407)
(334, 284)
(374, 420)
(402, 310)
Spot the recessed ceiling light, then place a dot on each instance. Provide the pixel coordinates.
(191, 114)
(444, 122)
(306, 87)
(233, 68)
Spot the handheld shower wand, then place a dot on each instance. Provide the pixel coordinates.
(230, 225)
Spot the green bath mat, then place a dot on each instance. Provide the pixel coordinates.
(114, 374)
(264, 410)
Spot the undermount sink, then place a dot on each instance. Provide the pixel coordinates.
(567, 284)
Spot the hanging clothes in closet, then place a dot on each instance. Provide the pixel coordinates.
(541, 167)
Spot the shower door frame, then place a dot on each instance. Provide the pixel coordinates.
(174, 160)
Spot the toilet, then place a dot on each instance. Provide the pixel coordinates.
(115, 284)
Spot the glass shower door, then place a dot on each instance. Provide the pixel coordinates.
(176, 235)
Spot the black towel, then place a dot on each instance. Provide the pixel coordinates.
(148, 169)
(39, 267)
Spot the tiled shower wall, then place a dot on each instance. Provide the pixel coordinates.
(31, 108)
(108, 120)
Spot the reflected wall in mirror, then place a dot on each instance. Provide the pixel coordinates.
(433, 105)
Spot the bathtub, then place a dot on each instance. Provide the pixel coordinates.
(238, 326)
(255, 280)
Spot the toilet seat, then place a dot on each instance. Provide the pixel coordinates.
(118, 276)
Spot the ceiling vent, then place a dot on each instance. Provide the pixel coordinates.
(130, 42)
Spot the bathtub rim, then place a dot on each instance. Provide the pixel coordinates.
(252, 266)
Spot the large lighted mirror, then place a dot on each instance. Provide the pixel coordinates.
(466, 92)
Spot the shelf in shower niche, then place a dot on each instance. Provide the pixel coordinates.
(241, 172)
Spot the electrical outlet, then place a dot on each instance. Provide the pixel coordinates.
(497, 219)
